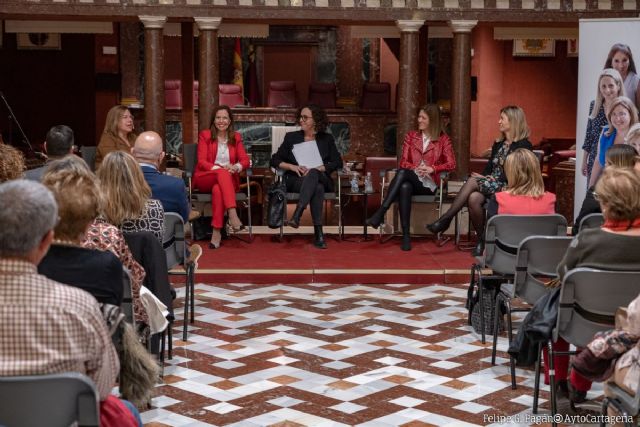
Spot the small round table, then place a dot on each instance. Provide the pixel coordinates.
(365, 206)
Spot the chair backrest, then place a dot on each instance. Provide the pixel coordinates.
(173, 239)
(230, 94)
(589, 299)
(277, 135)
(127, 298)
(537, 256)
(376, 96)
(190, 157)
(88, 153)
(540, 155)
(323, 94)
(505, 232)
(594, 220)
(282, 93)
(55, 400)
(173, 94)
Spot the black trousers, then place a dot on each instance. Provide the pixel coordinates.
(402, 187)
(311, 188)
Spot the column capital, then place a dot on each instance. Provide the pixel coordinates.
(152, 22)
(208, 23)
(409, 25)
(461, 26)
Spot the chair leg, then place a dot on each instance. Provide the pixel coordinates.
(185, 319)
(552, 382)
(193, 293)
(481, 301)
(536, 387)
(170, 338)
(512, 361)
(163, 341)
(496, 322)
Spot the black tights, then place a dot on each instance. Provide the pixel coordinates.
(470, 195)
(404, 185)
(311, 188)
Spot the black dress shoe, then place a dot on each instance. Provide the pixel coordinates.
(479, 249)
(440, 225)
(293, 223)
(318, 240)
(406, 243)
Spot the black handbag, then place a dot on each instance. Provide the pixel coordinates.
(277, 200)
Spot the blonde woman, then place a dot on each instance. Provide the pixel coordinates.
(514, 134)
(524, 193)
(621, 116)
(610, 87)
(129, 205)
(117, 134)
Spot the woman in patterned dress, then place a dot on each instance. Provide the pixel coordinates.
(610, 86)
(514, 134)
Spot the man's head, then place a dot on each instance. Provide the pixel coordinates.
(28, 214)
(59, 141)
(148, 148)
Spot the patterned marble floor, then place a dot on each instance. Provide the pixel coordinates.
(336, 355)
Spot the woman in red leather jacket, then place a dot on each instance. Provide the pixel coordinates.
(425, 153)
(221, 157)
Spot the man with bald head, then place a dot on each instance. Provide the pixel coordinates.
(168, 189)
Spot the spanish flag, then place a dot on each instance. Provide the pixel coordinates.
(237, 66)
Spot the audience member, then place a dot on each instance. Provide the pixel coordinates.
(514, 134)
(621, 59)
(425, 153)
(129, 206)
(221, 157)
(610, 86)
(117, 134)
(311, 183)
(47, 327)
(58, 144)
(11, 163)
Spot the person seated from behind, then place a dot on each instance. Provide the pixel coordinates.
(58, 144)
(77, 195)
(54, 328)
(618, 156)
(129, 204)
(613, 247)
(11, 163)
(170, 190)
(425, 153)
(524, 193)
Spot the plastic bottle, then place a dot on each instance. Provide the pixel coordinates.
(354, 183)
(368, 184)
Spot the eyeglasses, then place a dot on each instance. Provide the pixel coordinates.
(305, 118)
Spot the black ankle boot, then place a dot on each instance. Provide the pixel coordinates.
(406, 242)
(377, 218)
(440, 225)
(294, 221)
(479, 249)
(319, 237)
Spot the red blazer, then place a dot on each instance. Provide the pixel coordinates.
(439, 154)
(208, 150)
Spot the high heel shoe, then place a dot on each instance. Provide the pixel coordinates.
(216, 238)
(214, 245)
(440, 225)
(479, 249)
(376, 219)
(406, 243)
(236, 228)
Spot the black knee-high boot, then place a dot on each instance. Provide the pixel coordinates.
(294, 221)
(394, 190)
(404, 205)
(319, 237)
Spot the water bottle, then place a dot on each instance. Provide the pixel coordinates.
(368, 184)
(354, 183)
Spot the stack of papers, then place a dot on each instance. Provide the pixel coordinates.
(307, 154)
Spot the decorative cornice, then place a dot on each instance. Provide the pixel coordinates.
(409, 25)
(152, 22)
(460, 26)
(208, 23)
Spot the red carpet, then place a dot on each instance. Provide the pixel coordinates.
(296, 260)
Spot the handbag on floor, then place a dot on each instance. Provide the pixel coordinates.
(277, 200)
(489, 292)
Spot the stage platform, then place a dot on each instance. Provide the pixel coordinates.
(350, 261)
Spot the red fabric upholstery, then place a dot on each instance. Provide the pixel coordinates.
(282, 93)
(230, 94)
(376, 96)
(323, 94)
(173, 94)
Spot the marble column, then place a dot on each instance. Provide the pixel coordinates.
(131, 78)
(407, 79)
(461, 93)
(209, 69)
(188, 119)
(154, 73)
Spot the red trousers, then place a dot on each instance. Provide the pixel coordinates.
(561, 365)
(223, 194)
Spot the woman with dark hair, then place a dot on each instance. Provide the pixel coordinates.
(117, 134)
(514, 134)
(313, 182)
(425, 153)
(621, 59)
(221, 157)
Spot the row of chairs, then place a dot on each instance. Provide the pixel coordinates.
(283, 93)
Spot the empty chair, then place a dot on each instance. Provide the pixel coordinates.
(230, 94)
(376, 96)
(593, 220)
(323, 94)
(56, 400)
(172, 94)
(88, 153)
(282, 93)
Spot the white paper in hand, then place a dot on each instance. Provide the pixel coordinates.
(307, 154)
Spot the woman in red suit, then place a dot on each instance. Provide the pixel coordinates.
(425, 153)
(221, 157)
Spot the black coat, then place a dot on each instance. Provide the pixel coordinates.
(523, 143)
(326, 145)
